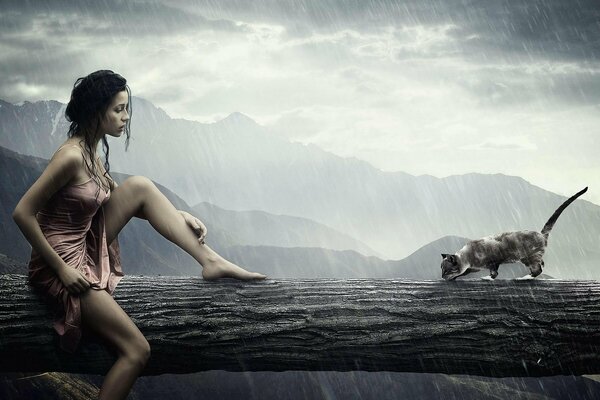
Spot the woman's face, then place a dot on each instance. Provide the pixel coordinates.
(116, 115)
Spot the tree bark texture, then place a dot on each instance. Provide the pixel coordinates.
(500, 328)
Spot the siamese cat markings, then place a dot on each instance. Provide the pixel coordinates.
(527, 247)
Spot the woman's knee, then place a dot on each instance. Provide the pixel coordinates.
(139, 183)
(138, 351)
(104, 317)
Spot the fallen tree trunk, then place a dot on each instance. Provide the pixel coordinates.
(501, 328)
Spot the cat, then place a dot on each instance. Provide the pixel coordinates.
(527, 247)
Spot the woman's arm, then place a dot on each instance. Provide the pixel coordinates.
(61, 169)
(196, 225)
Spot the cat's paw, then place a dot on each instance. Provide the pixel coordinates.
(487, 278)
(525, 278)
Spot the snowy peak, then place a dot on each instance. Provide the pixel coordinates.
(238, 118)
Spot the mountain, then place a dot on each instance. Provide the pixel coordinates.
(238, 165)
(145, 252)
(17, 174)
(38, 126)
(259, 228)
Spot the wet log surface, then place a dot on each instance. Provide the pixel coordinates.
(501, 328)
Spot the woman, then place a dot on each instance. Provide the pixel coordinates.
(72, 215)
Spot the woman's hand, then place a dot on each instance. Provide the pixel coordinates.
(196, 225)
(73, 280)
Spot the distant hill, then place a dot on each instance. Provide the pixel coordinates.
(259, 228)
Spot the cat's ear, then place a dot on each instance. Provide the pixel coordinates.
(449, 257)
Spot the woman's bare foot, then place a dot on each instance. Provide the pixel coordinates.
(221, 268)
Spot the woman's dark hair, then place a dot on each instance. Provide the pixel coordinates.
(90, 99)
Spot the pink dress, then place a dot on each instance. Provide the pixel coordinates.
(73, 223)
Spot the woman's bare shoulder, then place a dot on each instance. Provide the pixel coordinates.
(62, 168)
(67, 160)
(68, 149)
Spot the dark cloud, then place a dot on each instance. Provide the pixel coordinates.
(38, 47)
(106, 17)
(49, 43)
(510, 28)
(509, 33)
(551, 29)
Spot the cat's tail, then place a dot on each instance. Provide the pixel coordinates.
(548, 227)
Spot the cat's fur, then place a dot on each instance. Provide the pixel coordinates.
(527, 247)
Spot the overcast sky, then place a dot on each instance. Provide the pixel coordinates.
(425, 87)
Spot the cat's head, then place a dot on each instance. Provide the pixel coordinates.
(451, 267)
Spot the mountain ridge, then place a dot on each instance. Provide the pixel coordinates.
(244, 167)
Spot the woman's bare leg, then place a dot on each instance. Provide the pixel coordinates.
(103, 316)
(139, 196)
